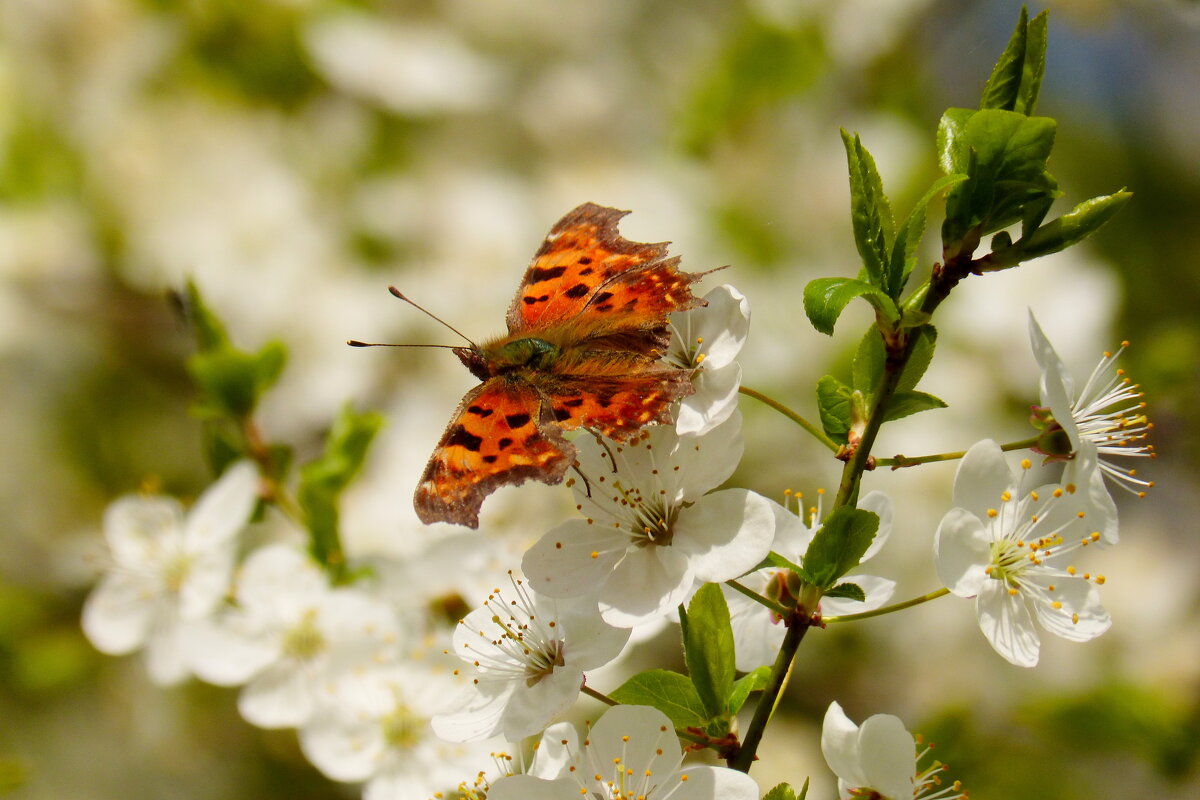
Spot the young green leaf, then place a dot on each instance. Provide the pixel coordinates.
(207, 329)
(868, 363)
(1065, 231)
(1035, 64)
(1004, 85)
(904, 404)
(826, 298)
(671, 693)
(850, 591)
(324, 479)
(785, 792)
(839, 544)
(834, 406)
(754, 681)
(918, 360)
(908, 237)
(708, 648)
(870, 212)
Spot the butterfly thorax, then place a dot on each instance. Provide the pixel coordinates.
(505, 356)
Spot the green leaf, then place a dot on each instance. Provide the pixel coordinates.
(908, 237)
(1035, 64)
(1069, 229)
(783, 792)
(708, 648)
(1004, 154)
(754, 681)
(918, 360)
(1004, 85)
(834, 406)
(868, 363)
(904, 404)
(850, 591)
(1017, 77)
(322, 481)
(870, 212)
(826, 298)
(839, 545)
(671, 693)
(207, 329)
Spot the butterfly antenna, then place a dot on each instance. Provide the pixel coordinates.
(397, 293)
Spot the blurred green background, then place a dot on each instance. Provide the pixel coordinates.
(294, 157)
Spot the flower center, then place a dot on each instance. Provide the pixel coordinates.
(541, 663)
(176, 571)
(304, 641)
(402, 728)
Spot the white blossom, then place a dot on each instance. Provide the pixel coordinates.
(652, 525)
(168, 571)
(290, 634)
(526, 657)
(880, 760)
(1009, 548)
(630, 753)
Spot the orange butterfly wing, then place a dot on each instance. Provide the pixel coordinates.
(603, 301)
(503, 432)
(586, 272)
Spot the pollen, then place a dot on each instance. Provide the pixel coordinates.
(1026, 463)
(993, 513)
(1006, 496)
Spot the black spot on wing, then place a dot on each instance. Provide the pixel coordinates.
(464, 438)
(576, 291)
(479, 411)
(517, 421)
(573, 403)
(539, 274)
(585, 260)
(530, 299)
(490, 459)
(561, 414)
(504, 443)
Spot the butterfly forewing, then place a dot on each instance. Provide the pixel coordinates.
(586, 268)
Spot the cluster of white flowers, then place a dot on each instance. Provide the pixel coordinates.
(1012, 546)
(337, 662)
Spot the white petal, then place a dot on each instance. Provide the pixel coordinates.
(888, 756)
(961, 552)
(555, 750)
(1007, 624)
(714, 400)
(723, 325)
(877, 590)
(641, 736)
(712, 783)
(281, 696)
(527, 787)
(982, 476)
(726, 533)
(840, 746)
(705, 462)
(480, 715)
(140, 530)
(756, 633)
(1078, 597)
(574, 558)
(208, 580)
(881, 505)
(1057, 386)
(590, 641)
(344, 748)
(116, 616)
(225, 653)
(1100, 511)
(165, 651)
(649, 583)
(224, 508)
(531, 708)
(279, 582)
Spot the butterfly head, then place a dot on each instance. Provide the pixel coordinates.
(474, 359)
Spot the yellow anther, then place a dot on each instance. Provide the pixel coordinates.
(1026, 463)
(1006, 496)
(595, 554)
(993, 513)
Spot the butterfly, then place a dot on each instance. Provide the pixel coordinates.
(586, 332)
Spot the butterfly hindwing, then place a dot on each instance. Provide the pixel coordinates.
(586, 268)
(502, 433)
(618, 407)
